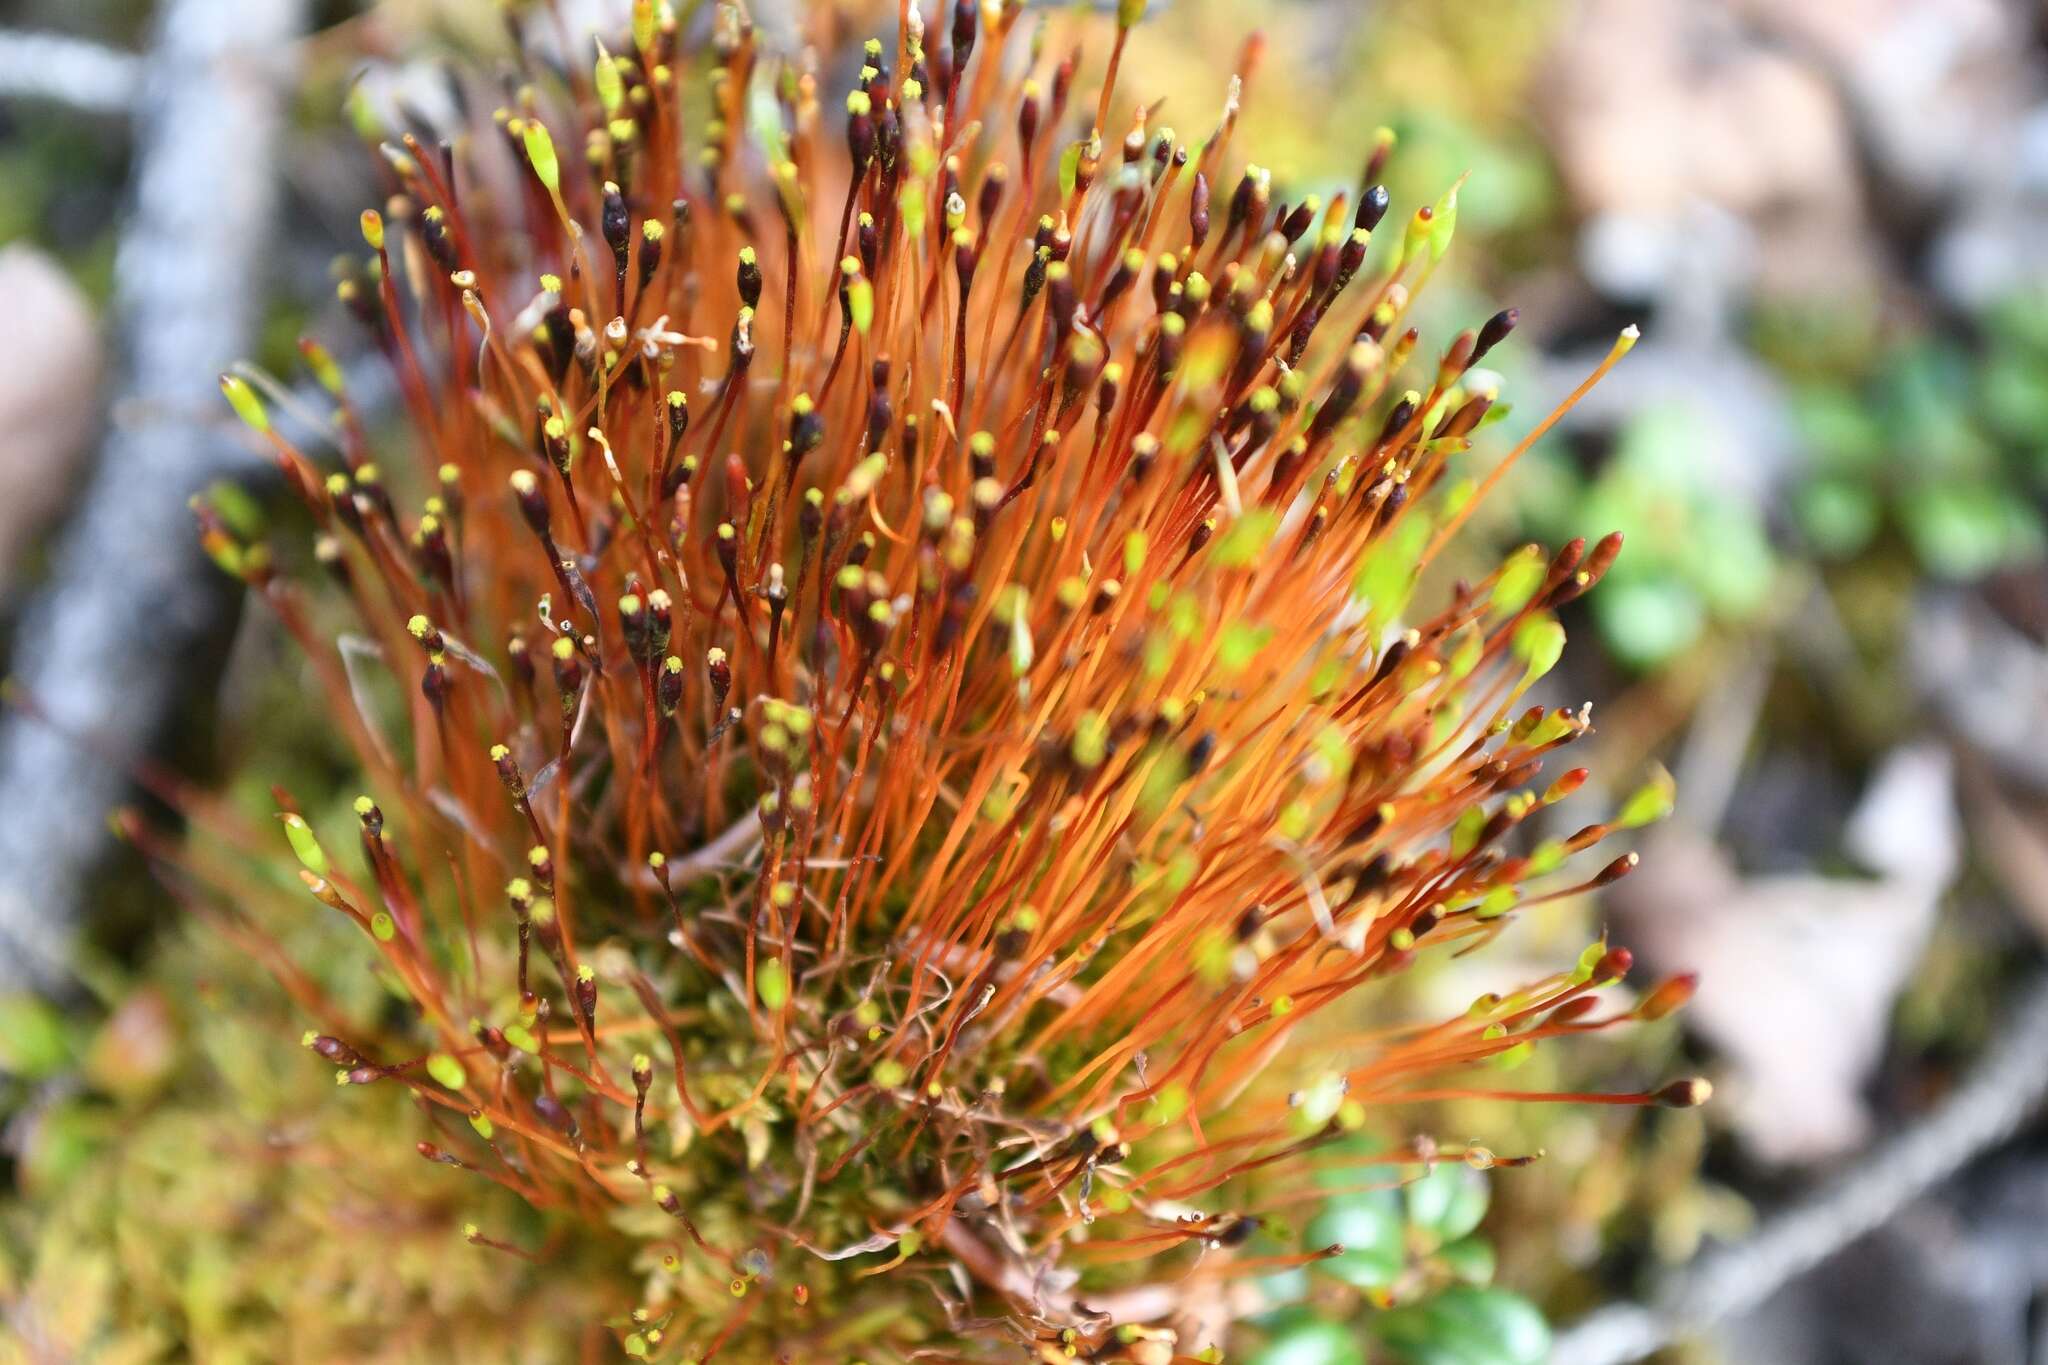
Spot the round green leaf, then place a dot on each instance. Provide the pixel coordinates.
(1647, 621)
(1838, 515)
(1467, 1326)
(1729, 558)
(1962, 531)
(1308, 1340)
(1447, 1202)
(34, 1042)
(2014, 394)
(1839, 427)
(1369, 1228)
(1471, 1259)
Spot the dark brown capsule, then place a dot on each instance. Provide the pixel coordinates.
(555, 1114)
(334, 1050)
(1617, 869)
(1493, 332)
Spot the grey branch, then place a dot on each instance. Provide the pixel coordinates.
(106, 648)
(71, 71)
(2004, 1089)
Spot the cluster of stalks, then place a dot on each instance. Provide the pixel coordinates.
(885, 678)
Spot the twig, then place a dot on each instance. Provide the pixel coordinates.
(2004, 1089)
(1717, 744)
(108, 647)
(51, 66)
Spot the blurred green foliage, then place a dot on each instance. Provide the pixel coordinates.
(1942, 439)
(187, 1189)
(1414, 1278)
(63, 178)
(1910, 443)
(158, 1216)
(1696, 553)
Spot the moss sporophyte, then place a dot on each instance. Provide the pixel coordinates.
(916, 731)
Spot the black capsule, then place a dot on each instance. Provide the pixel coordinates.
(748, 278)
(1372, 206)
